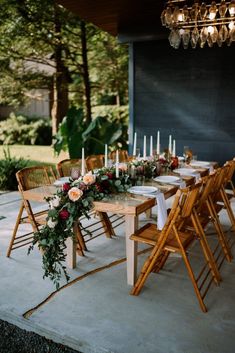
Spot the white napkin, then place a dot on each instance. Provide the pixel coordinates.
(161, 210)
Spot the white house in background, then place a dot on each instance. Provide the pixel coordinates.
(39, 99)
(38, 103)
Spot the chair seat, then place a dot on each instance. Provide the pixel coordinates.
(149, 234)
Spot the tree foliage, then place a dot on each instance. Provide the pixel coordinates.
(44, 45)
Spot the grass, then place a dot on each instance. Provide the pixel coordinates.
(36, 154)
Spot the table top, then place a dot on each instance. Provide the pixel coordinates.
(122, 203)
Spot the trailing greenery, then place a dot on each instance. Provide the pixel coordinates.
(74, 134)
(8, 168)
(74, 200)
(19, 129)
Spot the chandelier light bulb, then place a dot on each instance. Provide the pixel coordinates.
(231, 8)
(212, 11)
(231, 25)
(180, 16)
(210, 29)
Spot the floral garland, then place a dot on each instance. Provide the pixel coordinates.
(75, 199)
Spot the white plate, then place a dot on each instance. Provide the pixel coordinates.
(61, 181)
(142, 189)
(185, 171)
(167, 179)
(200, 164)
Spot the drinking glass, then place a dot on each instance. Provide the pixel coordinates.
(185, 153)
(75, 173)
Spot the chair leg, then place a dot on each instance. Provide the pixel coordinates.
(161, 261)
(80, 241)
(15, 229)
(206, 249)
(109, 231)
(219, 230)
(190, 272)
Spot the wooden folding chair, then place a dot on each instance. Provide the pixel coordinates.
(176, 238)
(29, 178)
(207, 212)
(221, 198)
(65, 166)
(123, 156)
(229, 178)
(95, 162)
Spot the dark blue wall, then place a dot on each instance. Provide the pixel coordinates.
(187, 93)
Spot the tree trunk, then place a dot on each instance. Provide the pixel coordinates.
(86, 78)
(60, 100)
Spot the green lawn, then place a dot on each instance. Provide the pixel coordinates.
(42, 154)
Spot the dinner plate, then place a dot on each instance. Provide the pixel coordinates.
(185, 171)
(200, 164)
(61, 181)
(167, 179)
(142, 189)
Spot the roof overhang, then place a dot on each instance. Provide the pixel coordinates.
(123, 18)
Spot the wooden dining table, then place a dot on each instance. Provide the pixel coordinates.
(129, 205)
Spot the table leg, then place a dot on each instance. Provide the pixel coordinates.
(71, 253)
(131, 249)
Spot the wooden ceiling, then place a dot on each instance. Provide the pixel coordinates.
(120, 17)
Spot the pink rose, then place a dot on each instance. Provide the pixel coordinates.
(75, 194)
(66, 187)
(89, 179)
(64, 214)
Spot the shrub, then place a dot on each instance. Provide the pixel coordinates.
(8, 168)
(22, 130)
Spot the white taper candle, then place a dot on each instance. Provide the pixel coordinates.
(144, 148)
(158, 142)
(170, 144)
(83, 162)
(151, 146)
(134, 144)
(117, 164)
(174, 149)
(106, 156)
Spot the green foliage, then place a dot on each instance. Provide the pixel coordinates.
(25, 131)
(34, 32)
(73, 134)
(8, 168)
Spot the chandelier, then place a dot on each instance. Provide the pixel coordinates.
(199, 23)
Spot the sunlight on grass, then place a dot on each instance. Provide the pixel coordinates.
(43, 154)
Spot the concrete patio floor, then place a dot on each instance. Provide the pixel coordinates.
(97, 315)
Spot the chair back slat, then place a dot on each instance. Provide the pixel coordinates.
(95, 162)
(32, 177)
(65, 166)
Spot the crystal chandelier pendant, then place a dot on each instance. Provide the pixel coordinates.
(203, 36)
(168, 16)
(223, 33)
(194, 37)
(222, 8)
(199, 23)
(174, 39)
(203, 11)
(185, 38)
